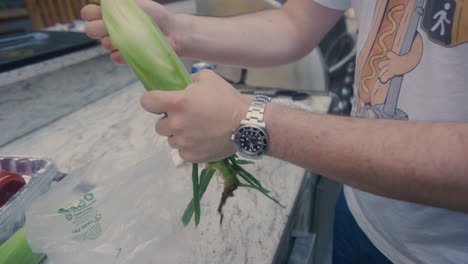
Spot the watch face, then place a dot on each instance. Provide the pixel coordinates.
(251, 140)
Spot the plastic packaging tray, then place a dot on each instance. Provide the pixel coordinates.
(42, 173)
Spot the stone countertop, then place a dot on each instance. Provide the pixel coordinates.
(34, 102)
(116, 126)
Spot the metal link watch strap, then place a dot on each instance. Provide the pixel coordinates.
(256, 110)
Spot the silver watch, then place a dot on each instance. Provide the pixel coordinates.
(251, 138)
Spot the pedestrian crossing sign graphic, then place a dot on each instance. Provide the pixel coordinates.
(446, 21)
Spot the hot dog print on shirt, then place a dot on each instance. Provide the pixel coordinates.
(394, 47)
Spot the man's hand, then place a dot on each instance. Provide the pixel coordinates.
(200, 119)
(95, 27)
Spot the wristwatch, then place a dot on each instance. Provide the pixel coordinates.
(251, 138)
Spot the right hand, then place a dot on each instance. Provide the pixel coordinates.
(96, 29)
(194, 125)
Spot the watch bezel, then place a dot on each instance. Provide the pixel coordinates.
(249, 154)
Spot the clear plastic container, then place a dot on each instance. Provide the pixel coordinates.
(38, 173)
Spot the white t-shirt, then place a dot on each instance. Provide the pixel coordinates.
(412, 64)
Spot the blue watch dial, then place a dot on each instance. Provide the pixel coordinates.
(251, 140)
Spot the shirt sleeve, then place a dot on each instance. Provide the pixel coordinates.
(335, 4)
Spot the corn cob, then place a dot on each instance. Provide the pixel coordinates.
(150, 56)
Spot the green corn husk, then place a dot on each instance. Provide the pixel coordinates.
(151, 57)
(144, 46)
(16, 250)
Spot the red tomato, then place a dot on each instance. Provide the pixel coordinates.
(10, 183)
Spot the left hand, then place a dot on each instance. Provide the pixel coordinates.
(200, 119)
(165, 19)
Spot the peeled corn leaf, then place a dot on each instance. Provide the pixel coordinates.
(262, 190)
(235, 163)
(196, 194)
(245, 162)
(205, 177)
(16, 250)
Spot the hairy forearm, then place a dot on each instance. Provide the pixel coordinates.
(423, 162)
(266, 38)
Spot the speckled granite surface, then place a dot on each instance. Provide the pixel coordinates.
(34, 102)
(116, 126)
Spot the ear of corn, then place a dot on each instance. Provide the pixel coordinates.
(151, 57)
(143, 46)
(16, 250)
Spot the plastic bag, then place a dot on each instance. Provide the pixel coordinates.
(114, 212)
(39, 173)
